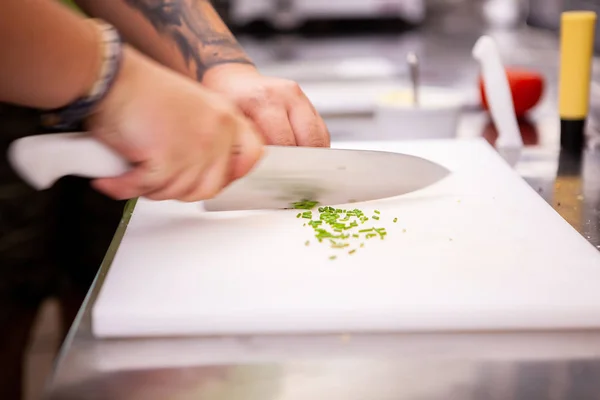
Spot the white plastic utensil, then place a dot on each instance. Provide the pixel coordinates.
(499, 98)
(43, 159)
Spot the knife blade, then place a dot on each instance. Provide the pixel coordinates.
(282, 177)
(286, 175)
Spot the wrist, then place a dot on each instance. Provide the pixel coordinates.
(220, 72)
(124, 83)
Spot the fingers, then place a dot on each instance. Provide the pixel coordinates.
(309, 128)
(137, 182)
(325, 129)
(246, 152)
(286, 117)
(178, 187)
(274, 124)
(209, 183)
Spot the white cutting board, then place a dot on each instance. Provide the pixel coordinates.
(481, 251)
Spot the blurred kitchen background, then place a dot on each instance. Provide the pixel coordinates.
(347, 53)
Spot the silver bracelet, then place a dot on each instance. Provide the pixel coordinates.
(71, 115)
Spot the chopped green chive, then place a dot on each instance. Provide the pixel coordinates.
(305, 205)
(338, 225)
(332, 257)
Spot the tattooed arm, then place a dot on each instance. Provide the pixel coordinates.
(190, 37)
(186, 35)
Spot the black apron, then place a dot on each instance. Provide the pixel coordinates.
(51, 238)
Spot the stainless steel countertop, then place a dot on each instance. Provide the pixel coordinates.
(510, 365)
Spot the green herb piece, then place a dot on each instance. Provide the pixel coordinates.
(307, 243)
(299, 215)
(336, 225)
(305, 204)
(339, 245)
(332, 257)
(395, 220)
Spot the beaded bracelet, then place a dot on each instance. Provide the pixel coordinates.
(71, 115)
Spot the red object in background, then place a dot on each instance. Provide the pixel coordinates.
(529, 132)
(526, 87)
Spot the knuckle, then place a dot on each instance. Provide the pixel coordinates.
(224, 116)
(293, 87)
(250, 105)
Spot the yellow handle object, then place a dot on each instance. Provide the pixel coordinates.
(576, 50)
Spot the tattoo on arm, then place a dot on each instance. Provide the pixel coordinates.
(202, 38)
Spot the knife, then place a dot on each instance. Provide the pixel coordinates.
(283, 176)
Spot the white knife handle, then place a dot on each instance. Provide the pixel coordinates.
(497, 92)
(42, 160)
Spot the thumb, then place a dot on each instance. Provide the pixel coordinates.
(247, 149)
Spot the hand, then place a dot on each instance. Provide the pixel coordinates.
(179, 137)
(278, 107)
